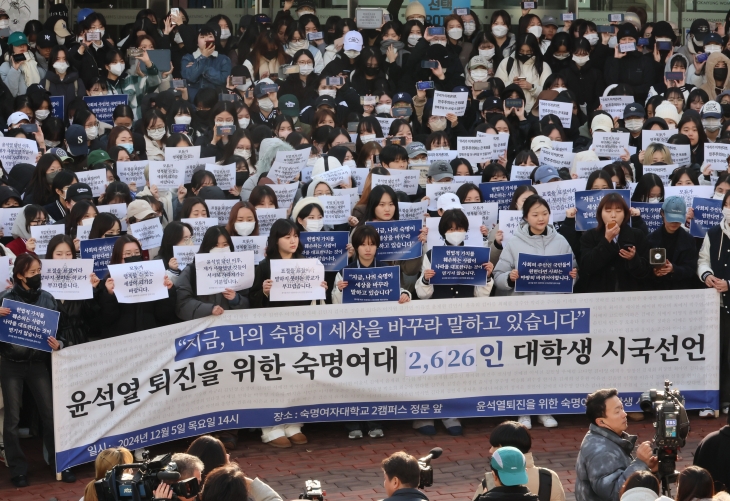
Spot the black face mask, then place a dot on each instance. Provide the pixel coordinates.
(329, 38)
(523, 58)
(133, 259)
(34, 282)
(270, 54)
(371, 72)
(203, 115)
(720, 75)
(725, 110)
(241, 177)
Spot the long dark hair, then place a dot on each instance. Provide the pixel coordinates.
(529, 39)
(374, 199)
(280, 229)
(210, 239)
(644, 186)
(39, 188)
(103, 222)
(694, 482)
(210, 451)
(58, 240)
(77, 213)
(118, 249)
(170, 237)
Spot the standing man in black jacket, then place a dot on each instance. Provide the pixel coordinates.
(510, 477)
(632, 67)
(713, 454)
(401, 476)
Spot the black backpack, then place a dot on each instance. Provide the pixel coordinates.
(543, 492)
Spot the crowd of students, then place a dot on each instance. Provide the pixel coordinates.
(247, 91)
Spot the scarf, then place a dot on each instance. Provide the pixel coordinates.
(30, 70)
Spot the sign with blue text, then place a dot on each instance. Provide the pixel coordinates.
(398, 240)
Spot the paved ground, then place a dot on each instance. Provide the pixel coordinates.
(350, 469)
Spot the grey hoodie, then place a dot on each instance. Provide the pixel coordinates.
(267, 154)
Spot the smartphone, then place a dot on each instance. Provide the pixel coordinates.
(315, 36)
(134, 52)
(664, 45)
(627, 47)
(93, 36)
(461, 12)
(513, 103)
(658, 257)
(615, 18)
(436, 30)
(269, 88)
(368, 100)
(19, 57)
(643, 42)
(400, 141)
(335, 81)
(289, 69)
(179, 83)
(238, 80)
(29, 128)
(429, 64)
(175, 11)
(567, 17)
(427, 85)
(227, 97)
(674, 75)
(179, 129)
(702, 57)
(401, 112)
(481, 85)
(528, 5)
(225, 130)
(627, 246)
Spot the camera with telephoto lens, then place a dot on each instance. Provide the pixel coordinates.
(118, 486)
(313, 490)
(426, 477)
(672, 427)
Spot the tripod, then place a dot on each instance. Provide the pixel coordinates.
(667, 472)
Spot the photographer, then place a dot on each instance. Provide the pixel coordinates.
(605, 459)
(713, 454)
(401, 476)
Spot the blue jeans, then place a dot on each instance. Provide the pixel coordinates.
(12, 377)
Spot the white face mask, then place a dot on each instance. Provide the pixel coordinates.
(243, 123)
(225, 34)
(479, 75)
(366, 138)
(51, 144)
(220, 249)
(535, 30)
(117, 69)
(488, 53)
(178, 38)
(437, 124)
(244, 228)
(455, 237)
(92, 133)
(470, 27)
(242, 152)
(718, 196)
(306, 69)
(314, 224)
(382, 108)
(183, 119)
(156, 134)
(455, 33)
(726, 213)
(42, 114)
(60, 66)
(244, 86)
(709, 49)
(654, 200)
(84, 222)
(4, 24)
(561, 57)
(592, 38)
(266, 104)
(350, 163)
(413, 39)
(352, 54)
(559, 89)
(328, 92)
(298, 45)
(499, 30)
(581, 60)
(438, 42)
(60, 40)
(711, 124)
(634, 124)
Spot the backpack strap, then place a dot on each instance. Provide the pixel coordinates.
(76, 87)
(510, 64)
(546, 484)
(48, 86)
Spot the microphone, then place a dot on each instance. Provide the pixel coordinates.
(433, 454)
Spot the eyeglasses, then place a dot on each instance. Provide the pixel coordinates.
(38, 222)
(188, 240)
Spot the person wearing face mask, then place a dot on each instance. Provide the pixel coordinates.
(582, 77)
(711, 115)
(477, 71)
(634, 118)
(559, 52)
(716, 75)
(266, 107)
(205, 68)
(191, 305)
(304, 84)
(504, 41)
(525, 69)
(693, 46)
(298, 42)
(631, 67)
(19, 75)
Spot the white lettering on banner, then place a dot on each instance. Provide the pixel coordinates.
(488, 212)
(475, 149)
(174, 154)
(255, 244)
(336, 209)
(7, 219)
(285, 193)
(192, 166)
(564, 111)
(560, 195)
(520, 172)
(139, 282)
(446, 155)
(610, 144)
(15, 151)
(180, 383)
(217, 272)
(473, 236)
(96, 179)
(400, 180)
(119, 210)
(167, 175)
(184, 254)
(718, 156)
(200, 226)
(44, 234)
(149, 233)
(557, 159)
(655, 136)
(296, 280)
(220, 210)
(681, 154)
(445, 103)
(615, 105)
(584, 169)
(132, 172)
(412, 211)
(225, 175)
(350, 193)
(68, 278)
(663, 171)
(268, 217)
(688, 193)
(435, 190)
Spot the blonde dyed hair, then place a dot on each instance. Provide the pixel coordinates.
(105, 461)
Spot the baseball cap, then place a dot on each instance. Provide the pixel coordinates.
(602, 123)
(415, 148)
(325, 101)
(477, 61)
(509, 463)
(46, 39)
(306, 4)
(699, 30)
(16, 117)
(711, 109)
(634, 110)
(76, 140)
(262, 19)
(713, 38)
(17, 38)
(545, 174)
(97, 156)
(539, 142)
(258, 90)
(60, 153)
(78, 192)
(440, 170)
(60, 28)
(83, 14)
(289, 105)
(549, 20)
(353, 41)
(675, 210)
(402, 97)
(139, 209)
(448, 201)
(492, 103)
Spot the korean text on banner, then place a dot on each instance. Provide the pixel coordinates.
(365, 285)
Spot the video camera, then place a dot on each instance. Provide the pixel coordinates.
(672, 427)
(426, 478)
(116, 486)
(313, 491)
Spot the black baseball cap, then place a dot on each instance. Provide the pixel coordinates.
(46, 39)
(78, 192)
(699, 29)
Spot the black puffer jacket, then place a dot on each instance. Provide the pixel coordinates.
(43, 299)
(77, 321)
(512, 493)
(634, 69)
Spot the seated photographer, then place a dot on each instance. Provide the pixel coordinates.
(545, 483)
(510, 477)
(401, 476)
(605, 458)
(713, 454)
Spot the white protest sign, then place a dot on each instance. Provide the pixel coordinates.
(200, 226)
(564, 111)
(689, 193)
(475, 180)
(717, 155)
(217, 272)
(474, 237)
(359, 174)
(385, 123)
(193, 165)
(335, 177)
(68, 278)
(560, 195)
(336, 209)
(44, 234)
(412, 211)
(132, 172)
(400, 180)
(615, 105)
(681, 154)
(520, 172)
(83, 230)
(435, 190)
(285, 193)
(475, 149)
(268, 217)
(368, 18)
(173, 154)
(663, 171)
(225, 175)
(139, 282)
(149, 233)
(287, 165)
(306, 174)
(583, 169)
(7, 219)
(255, 244)
(488, 212)
(166, 175)
(563, 146)
(17, 151)
(446, 155)
(655, 136)
(184, 254)
(500, 142)
(350, 193)
(296, 280)
(96, 179)
(449, 102)
(220, 210)
(557, 159)
(119, 210)
(610, 144)
(6, 270)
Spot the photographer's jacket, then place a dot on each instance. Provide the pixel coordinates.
(604, 463)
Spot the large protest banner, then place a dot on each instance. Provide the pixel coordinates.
(253, 368)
